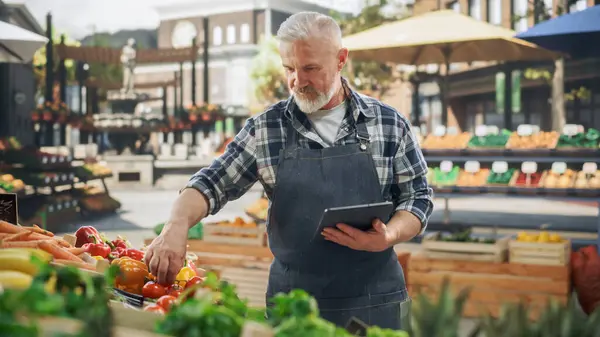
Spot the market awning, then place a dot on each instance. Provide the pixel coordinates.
(577, 34)
(442, 37)
(109, 55)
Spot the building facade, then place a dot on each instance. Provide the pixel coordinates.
(472, 89)
(235, 28)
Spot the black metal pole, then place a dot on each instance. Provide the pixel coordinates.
(49, 59)
(62, 83)
(46, 127)
(165, 112)
(175, 104)
(181, 87)
(205, 58)
(194, 58)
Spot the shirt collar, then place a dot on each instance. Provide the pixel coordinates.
(357, 104)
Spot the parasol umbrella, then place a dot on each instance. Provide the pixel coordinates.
(442, 37)
(18, 44)
(576, 34)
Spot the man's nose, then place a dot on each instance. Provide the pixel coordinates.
(301, 79)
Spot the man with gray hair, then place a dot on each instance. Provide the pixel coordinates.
(326, 146)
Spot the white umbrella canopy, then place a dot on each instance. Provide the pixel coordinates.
(18, 44)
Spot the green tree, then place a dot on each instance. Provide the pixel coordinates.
(555, 79)
(39, 61)
(268, 76)
(370, 75)
(109, 73)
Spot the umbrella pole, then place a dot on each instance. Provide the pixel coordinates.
(446, 51)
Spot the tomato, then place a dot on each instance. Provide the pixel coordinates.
(174, 290)
(155, 308)
(166, 302)
(194, 281)
(153, 290)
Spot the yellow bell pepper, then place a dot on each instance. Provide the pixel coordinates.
(184, 275)
(99, 258)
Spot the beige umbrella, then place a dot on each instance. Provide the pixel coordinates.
(442, 37)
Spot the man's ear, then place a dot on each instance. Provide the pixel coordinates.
(342, 58)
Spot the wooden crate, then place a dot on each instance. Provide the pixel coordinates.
(491, 285)
(551, 254)
(251, 283)
(255, 236)
(496, 252)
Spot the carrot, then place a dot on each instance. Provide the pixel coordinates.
(81, 265)
(21, 236)
(36, 229)
(58, 252)
(20, 244)
(76, 251)
(7, 227)
(3, 235)
(62, 242)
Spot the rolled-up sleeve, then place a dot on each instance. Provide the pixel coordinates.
(231, 174)
(411, 191)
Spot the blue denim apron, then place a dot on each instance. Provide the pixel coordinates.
(346, 283)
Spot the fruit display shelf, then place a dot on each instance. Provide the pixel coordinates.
(49, 186)
(562, 173)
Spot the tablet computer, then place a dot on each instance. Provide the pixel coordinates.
(359, 216)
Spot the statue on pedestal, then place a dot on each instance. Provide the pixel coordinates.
(128, 55)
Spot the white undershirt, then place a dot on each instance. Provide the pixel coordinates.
(327, 122)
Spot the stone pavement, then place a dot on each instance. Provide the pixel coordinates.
(143, 209)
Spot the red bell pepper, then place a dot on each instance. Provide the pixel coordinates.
(134, 254)
(87, 234)
(97, 249)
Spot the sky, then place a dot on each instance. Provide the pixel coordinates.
(79, 18)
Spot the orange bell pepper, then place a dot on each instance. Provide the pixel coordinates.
(133, 274)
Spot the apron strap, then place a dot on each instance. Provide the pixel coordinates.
(292, 135)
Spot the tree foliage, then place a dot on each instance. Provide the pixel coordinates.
(541, 12)
(370, 75)
(39, 61)
(267, 73)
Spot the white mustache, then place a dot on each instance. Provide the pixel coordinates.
(306, 90)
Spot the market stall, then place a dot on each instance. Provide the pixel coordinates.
(39, 269)
(51, 189)
(527, 163)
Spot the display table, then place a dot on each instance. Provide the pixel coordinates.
(491, 284)
(245, 266)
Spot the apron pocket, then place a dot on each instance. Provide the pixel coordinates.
(388, 311)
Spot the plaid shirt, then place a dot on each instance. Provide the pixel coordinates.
(254, 153)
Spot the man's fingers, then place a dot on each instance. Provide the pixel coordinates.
(163, 271)
(379, 226)
(148, 257)
(349, 230)
(153, 264)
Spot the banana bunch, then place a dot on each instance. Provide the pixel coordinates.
(17, 268)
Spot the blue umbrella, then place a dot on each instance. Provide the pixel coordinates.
(577, 34)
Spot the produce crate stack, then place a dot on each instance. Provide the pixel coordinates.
(490, 285)
(51, 190)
